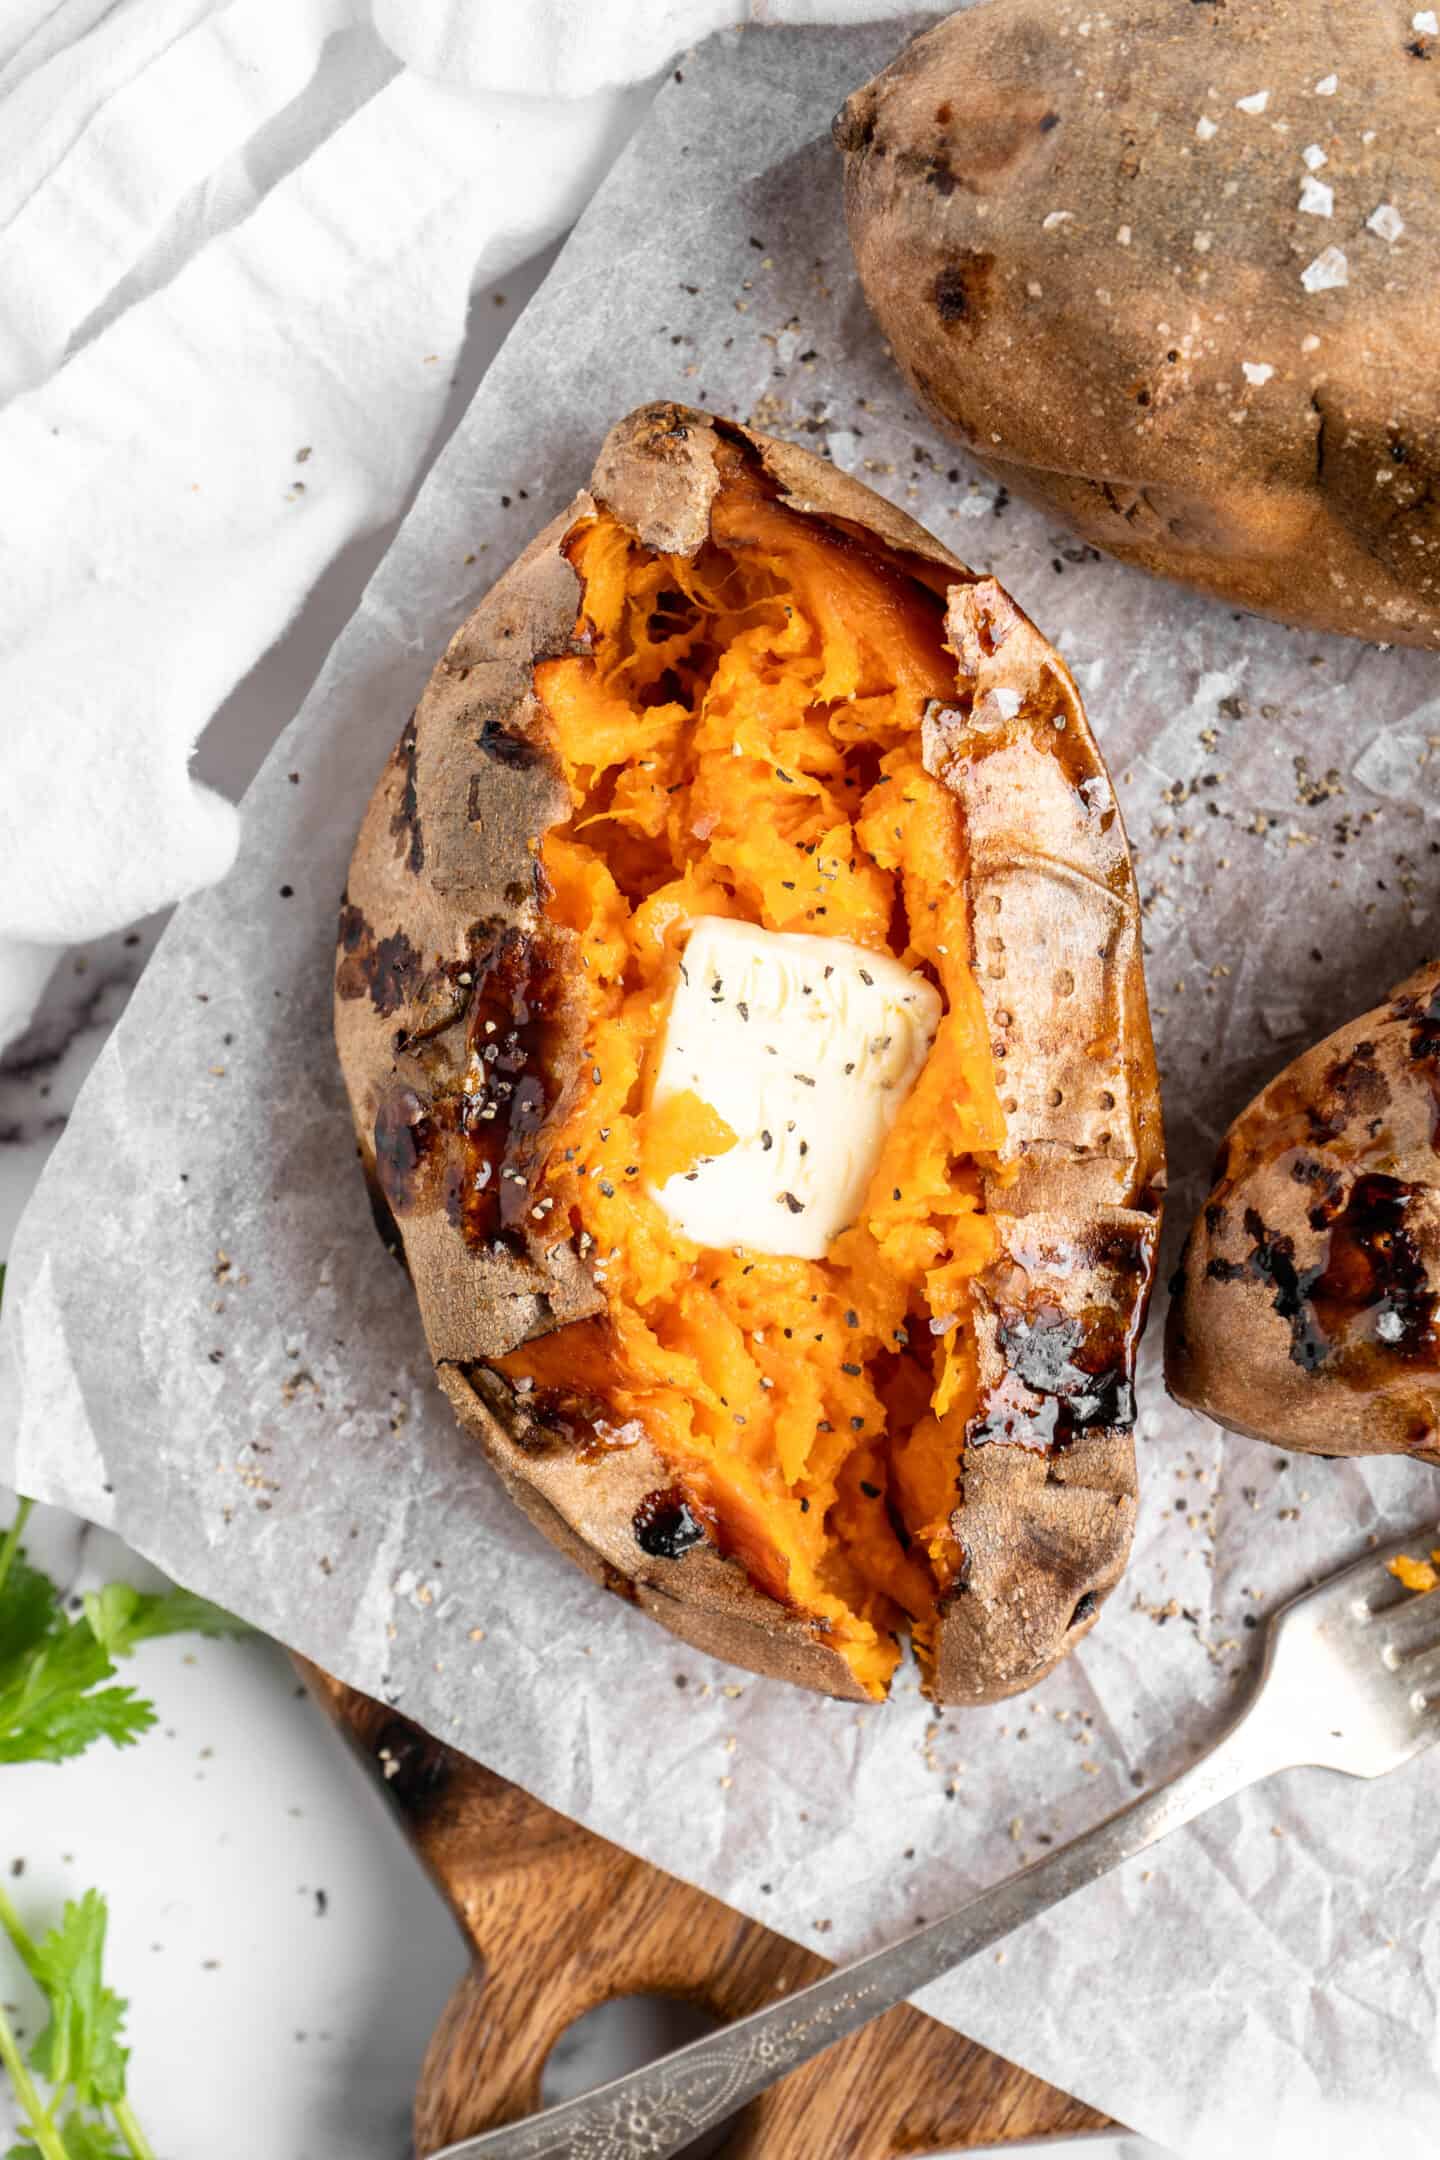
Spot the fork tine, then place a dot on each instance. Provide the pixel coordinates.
(1421, 1675)
(1368, 1579)
(1411, 1627)
(1387, 1592)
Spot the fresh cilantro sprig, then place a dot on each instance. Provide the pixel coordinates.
(53, 1705)
(78, 2055)
(52, 1664)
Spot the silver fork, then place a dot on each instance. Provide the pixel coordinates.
(1350, 1680)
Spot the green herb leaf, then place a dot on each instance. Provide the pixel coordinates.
(62, 1728)
(46, 1712)
(52, 1703)
(80, 2047)
(81, 2140)
(27, 1609)
(93, 2141)
(120, 1617)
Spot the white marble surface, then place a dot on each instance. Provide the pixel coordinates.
(284, 1956)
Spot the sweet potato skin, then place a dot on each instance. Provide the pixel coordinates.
(445, 910)
(1091, 261)
(1305, 1305)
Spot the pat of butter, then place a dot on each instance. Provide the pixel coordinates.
(807, 1047)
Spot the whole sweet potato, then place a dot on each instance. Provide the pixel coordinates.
(1173, 270)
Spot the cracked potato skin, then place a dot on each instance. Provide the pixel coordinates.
(1305, 1306)
(444, 923)
(1088, 260)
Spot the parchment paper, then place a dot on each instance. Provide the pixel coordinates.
(205, 1345)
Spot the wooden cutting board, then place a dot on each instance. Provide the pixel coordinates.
(559, 1922)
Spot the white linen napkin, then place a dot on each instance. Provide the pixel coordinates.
(238, 244)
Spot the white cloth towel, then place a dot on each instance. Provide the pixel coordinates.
(238, 244)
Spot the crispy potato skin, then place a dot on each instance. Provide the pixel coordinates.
(1074, 279)
(443, 923)
(1305, 1306)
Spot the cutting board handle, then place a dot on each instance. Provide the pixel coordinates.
(559, 1922)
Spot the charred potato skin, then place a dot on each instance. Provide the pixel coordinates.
(1304, 1310)
(443, 925)
(1070, 289)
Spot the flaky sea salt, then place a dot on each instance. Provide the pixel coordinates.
(1255, 103)
(1205, 127)
(1314, 157)
(1328, 270)
(1257, 371)
(1053, 218)
(1317, 198)
(1327, 86)
(1386, 220)
(1391, 764)
(1426, 22)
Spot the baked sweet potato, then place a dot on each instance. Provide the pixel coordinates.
(1306, 1309)
(730, 695)
(1173, 271)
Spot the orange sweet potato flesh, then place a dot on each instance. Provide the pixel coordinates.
(740, 734)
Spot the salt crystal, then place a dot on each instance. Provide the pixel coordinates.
(1314, 157)
(1203, 242)
(1310, 343)
(1426, 23)
(1255, 103)
(1328, 270)
(1257, 371)
(1327, 86)
(1391, 763)
(1123, 235)
(1387, 221)
(1205, 127)
(1054, 218)
(1317, 198)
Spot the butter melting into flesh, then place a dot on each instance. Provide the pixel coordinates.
(807, 1048)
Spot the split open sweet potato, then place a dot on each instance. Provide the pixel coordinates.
(731, 685)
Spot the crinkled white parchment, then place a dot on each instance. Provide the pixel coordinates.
(205, 1344)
